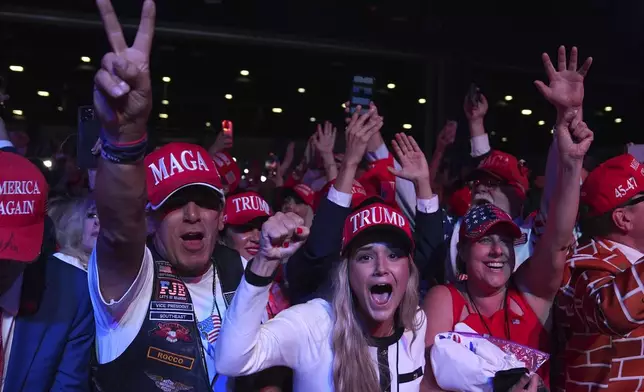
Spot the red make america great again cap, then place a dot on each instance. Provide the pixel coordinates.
(176, 166)
(23, 205)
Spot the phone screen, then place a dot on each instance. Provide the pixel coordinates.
(88, 131)
(362, 92)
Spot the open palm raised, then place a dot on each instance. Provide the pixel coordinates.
(411, 158)
(566, 84)
(122, 91)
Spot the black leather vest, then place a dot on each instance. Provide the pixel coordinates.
(167, 353)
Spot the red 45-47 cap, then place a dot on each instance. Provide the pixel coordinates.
(612, 184)
(23, 205)
(176, 166)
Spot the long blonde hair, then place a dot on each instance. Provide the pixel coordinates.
(69, 219)
(353, 368)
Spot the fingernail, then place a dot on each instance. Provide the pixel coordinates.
(285, 245)
(116, 91)
(124, 87)
(299, 231)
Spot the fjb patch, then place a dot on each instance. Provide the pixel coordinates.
(172, 290)
(171, 332)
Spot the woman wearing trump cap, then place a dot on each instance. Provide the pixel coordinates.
(367, 336)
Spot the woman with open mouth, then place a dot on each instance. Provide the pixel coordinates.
(368, 336)
(491, 298)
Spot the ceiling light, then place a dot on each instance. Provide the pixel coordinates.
(508, 97)
(163, 115)
(526, 112)
(407, 126)
(43, 93)
(85, 59)
(234, 159)
(60, 108)
(608, 109)
(243, 177)
(246, 171)
(344, 105)
(391, 86)
(16, 68)
(277, 110)
(17, 112)
(244, 72)
(504, 139)
(618, 120)
(165, 102)
(552, 131)
(262, 178)
(493, 133)
(166, 79)
(301, 90)
(228, 96)
(47, 163)
(541, 122)
(208, 124)
(422, 101)
(312, 119)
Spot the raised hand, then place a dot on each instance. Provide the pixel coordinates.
(223, 141)
(566, 84)
(360, 128)
(122, 87)
(324, 140)
(282, 234)
(573, 138)
(411, 158)
(447, 135)
(476, 112)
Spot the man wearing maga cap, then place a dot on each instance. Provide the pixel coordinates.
(46, 318)
(602, 298)
(158, 307)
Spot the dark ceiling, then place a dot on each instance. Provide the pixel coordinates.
(430, 49)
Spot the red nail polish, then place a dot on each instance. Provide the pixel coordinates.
(298, 231)
(285, 245)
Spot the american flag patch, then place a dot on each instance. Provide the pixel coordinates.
(165, 269)
(209, 328)
(521, 240)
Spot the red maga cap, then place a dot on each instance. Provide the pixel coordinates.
(358, 194)
(23, 205)
(612, 184)
(373, 217)
(176, 166)
(243, 208)
(506, 167)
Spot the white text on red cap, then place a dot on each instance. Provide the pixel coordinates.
(185, 162)
(251, 203)
(18, 207)
(496, 160)
(375, 216)
(622, 190)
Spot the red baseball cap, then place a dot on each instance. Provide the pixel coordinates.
(481, 218)
(506, 167)
(358, 194)
(228, 170)
(302, 191)
(176, 166)
(375, 218)
(378, 180)
(460, 201)
(612, 184)
(23, 205)
(244, 208)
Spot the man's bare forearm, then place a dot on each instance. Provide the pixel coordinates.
(121, 197)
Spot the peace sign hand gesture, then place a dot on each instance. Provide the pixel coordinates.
(122, 87)
(566, 84)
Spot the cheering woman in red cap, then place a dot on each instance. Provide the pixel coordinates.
(372, 316)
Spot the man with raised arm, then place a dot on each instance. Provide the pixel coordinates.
(158, 306)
